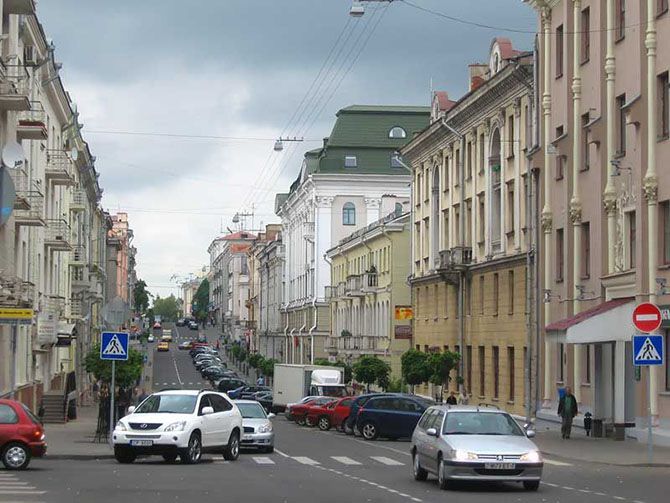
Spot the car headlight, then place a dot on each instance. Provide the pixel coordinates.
(178, 426)
(265, 428)
(462, 455)
(531, 457)
(120, 426)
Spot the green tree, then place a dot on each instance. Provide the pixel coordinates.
(141, 297)
(268, 367)
(370, 370)
(415, 369)
(167, 308)
(200, 305)
(256, 360)
(127, 372)
(441, 365)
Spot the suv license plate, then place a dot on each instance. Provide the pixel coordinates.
(500, 466)
(142, 443)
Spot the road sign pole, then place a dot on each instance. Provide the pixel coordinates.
(112, 392)
(15, 329)
(650, 443)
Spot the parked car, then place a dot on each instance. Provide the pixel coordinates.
(474, 443)
(192, 325)
(393, 416)
(229, 383)
(265, 399)
(185, 345)
(151, 338)
(182, 423)
(181, 322)
(163, 346)
(358, 402)
(21, 435)
(246, 392)
(290, 406)
(257, 426)
(166, 337)
(299, 412)
(330, 415)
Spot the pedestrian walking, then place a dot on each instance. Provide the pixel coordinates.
(463, 397)
(567, 409)
(452, 400)
(260, 381)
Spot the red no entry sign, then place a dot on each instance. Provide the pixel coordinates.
(647, 317)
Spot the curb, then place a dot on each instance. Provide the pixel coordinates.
(630, 465)
(78, 457)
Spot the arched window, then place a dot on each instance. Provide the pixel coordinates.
(398, 209)
(397, 132)
(495, 167)
(349, 214)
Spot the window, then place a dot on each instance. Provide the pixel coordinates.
(8, 415)
(398, 209)
(468, 173)
(496, 371)
(632, 238)
(349, 214)
(397, 132)
(661, 8)
(510, 291)
(481, 295)
(560, 259)
(496, 294)
(510, 368)
(396, 162)
(244, 266)
(350, 161)
(457, 167)
(663, 106)
(586, 250)
(665, 222)
(481, 154)
(621, 124)
(510, 207)
(510, 137)
(468, 298)
(560, 166)
(220, 404)
(585, 142)
(620, 19)
(559, 51)
(586, 35)
(482, 371)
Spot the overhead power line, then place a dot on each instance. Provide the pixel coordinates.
(188, 136)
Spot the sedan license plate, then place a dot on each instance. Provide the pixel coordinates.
(247, 437)
(500, 466)
(142, 443)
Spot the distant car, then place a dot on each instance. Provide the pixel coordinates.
(192, 325)
(227, 384)
(393, 416)
(474, 443)
(246, 392)
(330, 415)
(157, 326)
(300, 412)
(166, 337)
(163, 346)
(185, 345)
(181, 322)
(289, 406)
(265, 399)
(21, 435)
(257, 426)
(151, 338)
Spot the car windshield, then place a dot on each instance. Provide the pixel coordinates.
(169, 404)
(480, 423)
(251, 410)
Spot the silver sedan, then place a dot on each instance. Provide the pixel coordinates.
(474, 443)
(256, 425)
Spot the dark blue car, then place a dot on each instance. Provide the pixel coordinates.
(357, 403)
(393, 416)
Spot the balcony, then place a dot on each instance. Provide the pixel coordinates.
(354, 286)
(15, 89)
(25, 7)
(75, 309)
(359, 344)
(16, 292)
(57, 235)
(59, 168)
(29, 202)
(78, 258)
(331, 293)
(457, 258)
(370, 282)
(31, 124)
(79, 200)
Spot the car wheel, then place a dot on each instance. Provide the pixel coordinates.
(16, 456)
(531, 485)
(232, 450)
(442, 480)
(124, 455)
(324, 423)
(270, 449)
(369, 431)
(309, 422)
(170, 458)
(301, 421)
(193, 452)
(418, 472)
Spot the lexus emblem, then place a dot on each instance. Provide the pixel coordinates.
(498, 457)
(144, 426)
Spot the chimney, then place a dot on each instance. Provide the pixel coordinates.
(478, 73)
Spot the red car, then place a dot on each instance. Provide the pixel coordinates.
(21, 435)
(330, 415)
(299, 411)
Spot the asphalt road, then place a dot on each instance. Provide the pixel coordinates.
(309, 465)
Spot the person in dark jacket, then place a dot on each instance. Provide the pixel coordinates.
(452, 400)
(567, 409)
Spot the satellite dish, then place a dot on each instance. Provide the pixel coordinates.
(74, 153)
(13, 155)
(7, 195)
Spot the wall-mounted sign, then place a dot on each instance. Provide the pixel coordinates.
(403, 331)
(404, 313)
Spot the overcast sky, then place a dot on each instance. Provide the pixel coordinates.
(240, 69)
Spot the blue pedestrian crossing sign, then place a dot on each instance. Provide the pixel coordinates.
(648, 350)
(114, 346)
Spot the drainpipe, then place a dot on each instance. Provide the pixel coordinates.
(292, 346)
(311, 333)
(461, 273)
(302, 346)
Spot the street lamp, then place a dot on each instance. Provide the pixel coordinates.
(279, 144)
(358, 7)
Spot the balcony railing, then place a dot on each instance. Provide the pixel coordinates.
(17, 292)
(75, 308)
(459, 257)
(79, 200)
(15, 89)
(341, 289)
(29, 202)
(57, 235)
(331, 293)
(355, 286)
(78, 255)
(359, 344)
(370, 282)
(60, 167)
(32, 124)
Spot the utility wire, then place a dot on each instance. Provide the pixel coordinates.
(187, 136)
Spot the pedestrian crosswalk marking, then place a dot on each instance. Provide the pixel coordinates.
(648, 352)
(387, 461)
(345, 460)
(114, 347)
(263, 460)
(555, 463)
(305, 460)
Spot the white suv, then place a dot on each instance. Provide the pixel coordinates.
(182, 423)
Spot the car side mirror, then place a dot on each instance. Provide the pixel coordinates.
(431, 432)
(207, 410)
(530, 433)
(131, 409)
(271, 415)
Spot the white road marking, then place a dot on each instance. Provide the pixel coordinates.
(177, 371)
(306, 461)
(600, 494)
(4, 483)
(619, 498)
(556, 463)
(404, 453)
(263, 460)
(387, 461)
(345, 460)
(22, 493)
(282, 453)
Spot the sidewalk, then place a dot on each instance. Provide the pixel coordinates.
(75, 439)
(579, 447)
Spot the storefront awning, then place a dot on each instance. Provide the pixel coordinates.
(606, 322)
(66, 329)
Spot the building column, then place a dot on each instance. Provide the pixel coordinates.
(619, 371)
(609, 195)
(487, 189)
(516, 148)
